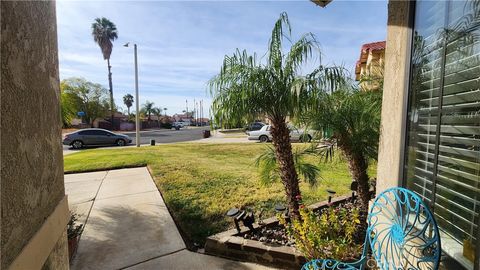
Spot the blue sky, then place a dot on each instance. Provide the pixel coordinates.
(181, 44)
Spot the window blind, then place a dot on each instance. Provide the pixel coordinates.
(443, 140)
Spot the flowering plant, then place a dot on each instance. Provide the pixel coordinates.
(329, 234)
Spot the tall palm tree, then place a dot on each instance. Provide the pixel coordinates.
(128, 101)
(147, 109)
(247, 87)
(353, 119)
(104, 32)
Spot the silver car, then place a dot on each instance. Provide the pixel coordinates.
(95, 137)
(263, 135)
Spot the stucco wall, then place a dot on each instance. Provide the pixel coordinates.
(31, 151)
(397, 54)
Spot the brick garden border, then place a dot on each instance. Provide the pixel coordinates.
(230, 244)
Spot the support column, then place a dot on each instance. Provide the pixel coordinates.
(395, 95)
(34, 210)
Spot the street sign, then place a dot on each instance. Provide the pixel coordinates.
(81, 114)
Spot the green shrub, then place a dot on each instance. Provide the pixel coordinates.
(329, 234)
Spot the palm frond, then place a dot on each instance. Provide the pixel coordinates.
(104, 32)
(269, 171)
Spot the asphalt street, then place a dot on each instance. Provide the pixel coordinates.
(160, 136)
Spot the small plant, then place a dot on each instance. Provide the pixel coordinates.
(74, 230)
(332, 233)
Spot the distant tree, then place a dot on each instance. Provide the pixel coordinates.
(90, 98)
(165, 111)
(104, 32)
(147, 109)
(157, 112)
(68, 106)
(128, 101)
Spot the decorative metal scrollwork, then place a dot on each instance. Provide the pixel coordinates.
(401, 234)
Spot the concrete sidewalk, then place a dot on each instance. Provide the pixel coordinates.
(127, 225)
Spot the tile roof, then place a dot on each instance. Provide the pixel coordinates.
(374, 46)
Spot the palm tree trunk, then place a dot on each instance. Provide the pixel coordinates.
(288, 174)
(128, 111)
(358, 169)
(111, 90)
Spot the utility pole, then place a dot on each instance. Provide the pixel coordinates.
(194, 116)
(202, 113)
(198, 111)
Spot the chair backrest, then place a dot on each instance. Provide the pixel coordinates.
(402, 232)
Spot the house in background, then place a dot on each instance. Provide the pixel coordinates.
(370, 64)
(185, 117)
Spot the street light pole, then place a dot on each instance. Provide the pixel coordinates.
(137, 105)
(137, 101)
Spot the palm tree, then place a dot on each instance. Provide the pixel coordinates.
(269, 170)
(353, 118)
(165, 110)
(104, 32)
(157, 112)
(148, 109)
(128, 101)
(246, 87)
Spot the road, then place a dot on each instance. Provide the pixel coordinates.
(160, 136)
(168, 136)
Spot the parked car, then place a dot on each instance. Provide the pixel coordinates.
(177, 125)
(254, 126)
(180, 124)
(95, 137)
(263, 135)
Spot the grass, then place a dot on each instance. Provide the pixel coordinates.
(200, 182)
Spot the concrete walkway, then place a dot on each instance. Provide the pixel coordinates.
(127, 225)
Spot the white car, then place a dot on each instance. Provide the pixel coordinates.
(179, 124)
(263, 135)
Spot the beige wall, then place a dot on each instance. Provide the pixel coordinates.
(394, 96)
(31, 152)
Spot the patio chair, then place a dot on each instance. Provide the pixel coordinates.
(401, 234)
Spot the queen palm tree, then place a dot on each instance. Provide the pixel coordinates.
(353, 119)
(128, 101)
(247, 86)
(104, 32)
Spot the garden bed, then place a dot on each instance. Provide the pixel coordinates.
(272, 250)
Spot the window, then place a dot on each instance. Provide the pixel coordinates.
(87, 132)
(103, 133)
(442, 157)
(94, 132)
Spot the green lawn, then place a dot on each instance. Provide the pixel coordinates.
(200, 182)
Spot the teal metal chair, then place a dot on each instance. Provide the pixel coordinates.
(401, 234)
